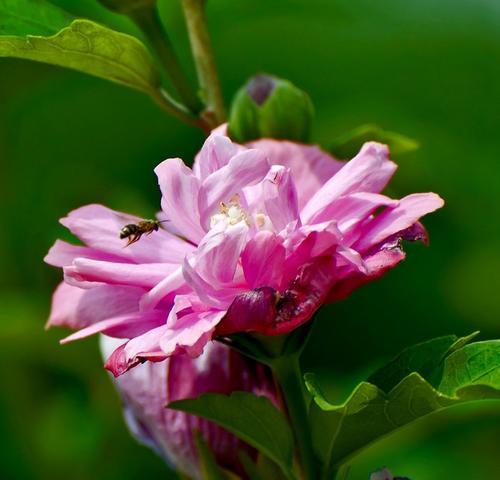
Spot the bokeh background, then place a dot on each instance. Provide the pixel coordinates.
(428, 69)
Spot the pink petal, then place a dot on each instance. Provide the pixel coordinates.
(174, 282)
(143, 348)
(245, 168)
(213, 296)
(376, 265)
(146, 275)
(280, 198)
(268, 312)
(368, 171)
(215, 154)
(350, 210)
(189, 333)
(74, 307)
(62, 254)
(99, 227)
(396, 219)
(311, 167)
(179, 188)
(263, 260)
(218, 253)
(124, 326)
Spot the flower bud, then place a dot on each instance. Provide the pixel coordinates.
(127, 6)
(270, 107)
(146, 389)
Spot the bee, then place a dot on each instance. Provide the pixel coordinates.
(134, 231)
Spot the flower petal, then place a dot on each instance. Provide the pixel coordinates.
(310, 166)
(146, 275)
(215, 154)
(124, 326)
(99, 227)
(62, 254)
(350, 210)
(213, 296)
(266, 311)
(398, 218)
(368, 171)
(218, 254)
(263, 260)
(74, 307)
(280, 198)
(245, 168)
(143, 348)
(179, 189)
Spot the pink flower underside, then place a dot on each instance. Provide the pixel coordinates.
(148, 388)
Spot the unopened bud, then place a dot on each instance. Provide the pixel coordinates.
(270, 107)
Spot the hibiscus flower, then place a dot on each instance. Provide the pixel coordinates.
(257, 238)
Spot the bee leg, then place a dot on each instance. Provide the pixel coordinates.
(133, 239)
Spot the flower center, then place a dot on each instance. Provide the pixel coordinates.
(231, 213)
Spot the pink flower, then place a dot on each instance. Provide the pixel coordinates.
(265, 234)
(146, 390)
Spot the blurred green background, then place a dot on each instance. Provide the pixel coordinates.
(428, 69)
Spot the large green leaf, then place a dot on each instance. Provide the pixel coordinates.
(468, 373)
(34, 17)
(253, 419)
(90, 48)
(347, 145)
(424, 358)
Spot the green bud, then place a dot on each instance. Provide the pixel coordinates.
(270, 107)
(127, 6)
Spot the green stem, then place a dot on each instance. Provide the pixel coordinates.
(148, 20)
(206, 70)
(168, 104)
(288, 375)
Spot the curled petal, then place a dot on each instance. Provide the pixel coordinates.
(376, 265)
(280, 198)
(398, 218)
(368, 171)
(145, 347)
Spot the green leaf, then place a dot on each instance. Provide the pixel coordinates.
(262, 469)
(208, 465)
(347, 145)
(93, 49)
(423, 358)
(253, 419)
(469, 373)
(35, 17)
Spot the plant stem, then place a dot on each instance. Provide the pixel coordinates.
(288, 375)
(206, 70)
(148, 20)
(168, 104)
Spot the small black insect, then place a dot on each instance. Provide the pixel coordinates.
(134, 231)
